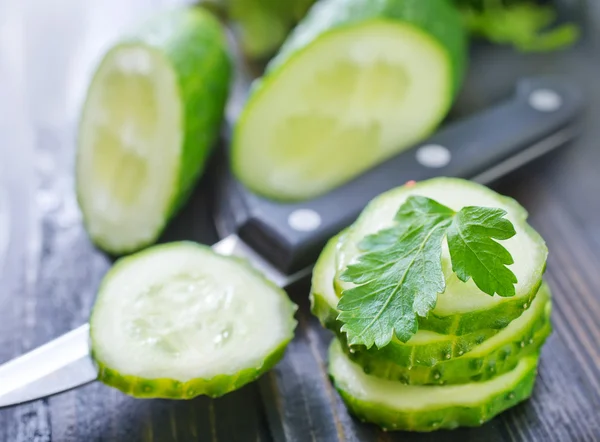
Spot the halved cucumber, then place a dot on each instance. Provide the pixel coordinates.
(462, 308)
(179, 320)
(495, 356)
(395, 406)
(424, 349)
(356, 82)
(152, 113)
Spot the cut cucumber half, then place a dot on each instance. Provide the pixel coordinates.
(179, 320)
(356, 82)
(395, 406)
(152, 113)
(424, 349)
(462, 308)
(495, 356)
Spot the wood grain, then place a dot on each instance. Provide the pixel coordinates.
(49, 289)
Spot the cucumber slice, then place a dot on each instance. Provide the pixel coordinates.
(356, 82)
(462, 308)
(179, 320)
(152, 112)
(394, 406)
(424, 349)
(323, 298)
(497, 355)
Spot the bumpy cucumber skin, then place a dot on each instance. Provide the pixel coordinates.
(436, 17)
(459, 324)
(193, 42)
(217, 386)
(170, 388)
(463, 369)
(448, 417)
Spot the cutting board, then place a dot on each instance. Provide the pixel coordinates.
(48, 284)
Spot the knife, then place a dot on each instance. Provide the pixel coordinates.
(284, 240)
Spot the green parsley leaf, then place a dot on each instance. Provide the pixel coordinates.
(399, 280)
(476, 255)
(399, 274)
(523, 25)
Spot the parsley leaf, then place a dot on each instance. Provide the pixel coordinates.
(476, 255)
(401, 277)
(399, 274)
(524, 25)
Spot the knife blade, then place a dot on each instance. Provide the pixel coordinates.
(540, 118)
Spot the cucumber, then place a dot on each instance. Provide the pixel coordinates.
(179, 320)
(462, 308)
(395, 406)
(424, 349)
(495, 356)
(152, 112)
(355, 83)
(261, 26)
(323, 298)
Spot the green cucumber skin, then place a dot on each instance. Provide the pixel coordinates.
(427, 420)
(172, 389)
(331, 15)
(426, 355)
(319, 306)
(459, 324)
(194, 43)
(432, 420)
(204, 71)
(463, 369)
(328, 15)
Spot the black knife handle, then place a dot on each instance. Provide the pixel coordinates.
(481, 147)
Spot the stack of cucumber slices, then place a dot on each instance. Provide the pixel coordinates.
(473, 356)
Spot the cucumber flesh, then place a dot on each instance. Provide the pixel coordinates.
(179, 320)
(152, 112)
(357, 82)
(462, 308)
(495, 356)
(395, 406)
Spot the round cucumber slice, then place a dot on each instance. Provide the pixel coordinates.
(179, 320)
(356, 82)
(152, 113)
(495, 356)
(424, 349)
(395, 406)
(462, 308)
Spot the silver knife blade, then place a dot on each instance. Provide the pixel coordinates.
(60, 365)
(65, 363)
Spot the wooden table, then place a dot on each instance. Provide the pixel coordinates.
(52, 271)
